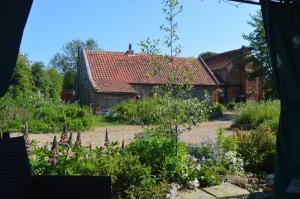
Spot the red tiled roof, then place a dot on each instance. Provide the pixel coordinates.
(116, 72)
(220, 61)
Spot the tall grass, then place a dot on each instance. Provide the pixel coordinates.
(257, 114)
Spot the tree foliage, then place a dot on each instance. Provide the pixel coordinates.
(55, 83)
(35, 78)
(207, 54)
(180, 110)
(66, 60)
(40, 78)
(22, 80)
(258, 54)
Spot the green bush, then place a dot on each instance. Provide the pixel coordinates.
(214, 161)
(231, 105)
(227, 143)
(269, 125)
(160, 109)
(209, 177)
(160, 154)
(42, 114)
(257, 148)
(254, 114)
(136, 111)
(130, 178)
(216, 110)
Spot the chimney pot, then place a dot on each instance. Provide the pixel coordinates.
(129, 51)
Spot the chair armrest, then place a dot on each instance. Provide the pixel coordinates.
(73, 187)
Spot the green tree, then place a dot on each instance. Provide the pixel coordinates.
(55, 83)
(22, 81)
(258, 55)
(207, 54)
(40, 78)
(179, 108)
(66, 60)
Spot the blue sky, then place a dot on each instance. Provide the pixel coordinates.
(204, 25)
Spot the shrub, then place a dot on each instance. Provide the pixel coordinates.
(42, 114)
(257, 148)
(269, 125)
(209, 177)
(231, 105)
(160, 109)
(216, 110)
(228, 143)
(160, 154)
(213, 162)
(253, 114)
(130, 178)
(136, 111)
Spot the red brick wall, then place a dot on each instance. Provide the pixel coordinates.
(67, 96)
(254, 89)
(234, 92)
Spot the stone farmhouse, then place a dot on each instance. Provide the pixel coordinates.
(232, 76)
(108, 78)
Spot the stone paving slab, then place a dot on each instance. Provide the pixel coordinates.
(227, 190)
(195, 194)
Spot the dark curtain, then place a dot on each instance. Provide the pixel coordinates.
(13, 17)
(282, 24)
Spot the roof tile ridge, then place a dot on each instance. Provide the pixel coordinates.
(209, 71)
(88, 68)
(137, 53)
(222, 53)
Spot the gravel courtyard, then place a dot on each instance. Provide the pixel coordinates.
(205, 130)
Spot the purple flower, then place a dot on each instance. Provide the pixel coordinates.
(106, 142)
(26, 137)
(215, 145)
(78, 140)
(123, 144)
(53, 152)
(203, 158)
(64, 136)
(203, 143)
(179, 130)
(192, 157)
(70, 139)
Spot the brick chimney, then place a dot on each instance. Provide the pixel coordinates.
(129, 51)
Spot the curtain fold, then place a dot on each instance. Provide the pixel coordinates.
(13, 17)
(282, 25)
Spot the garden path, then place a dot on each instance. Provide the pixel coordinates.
(205, 130)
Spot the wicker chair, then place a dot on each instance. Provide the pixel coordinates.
(16, 181)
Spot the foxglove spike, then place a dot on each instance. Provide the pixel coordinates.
(70, 139)
(53, 152)
(123, 145)
(54, 143)
(65, 128)
(78, 140)
(64, 136)
(26, 137)
(106, 143)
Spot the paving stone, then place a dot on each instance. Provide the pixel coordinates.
(227, 190)
(195, 194)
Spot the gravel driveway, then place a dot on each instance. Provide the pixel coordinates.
(205, 130)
